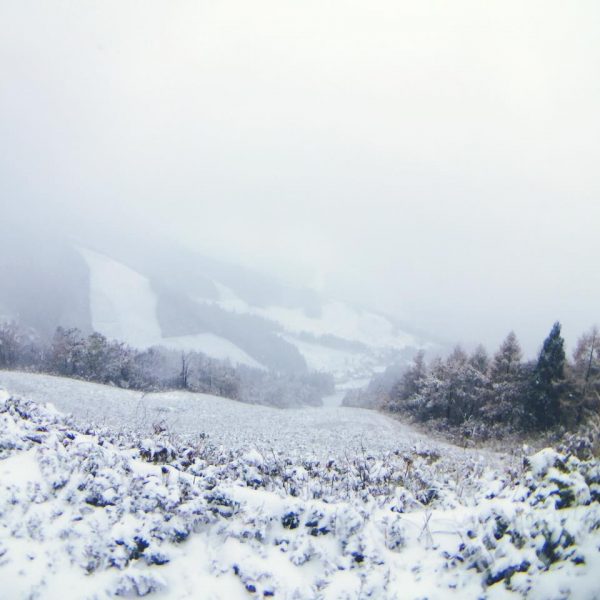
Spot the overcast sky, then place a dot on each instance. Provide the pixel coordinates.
(437, 160)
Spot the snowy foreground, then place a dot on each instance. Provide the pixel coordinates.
(183, 496)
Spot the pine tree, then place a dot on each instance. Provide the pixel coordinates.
(548, 384)
(479, 360)
(586, 373)
(507, 360)
(504, 403)
(409, 384)
(453, 390)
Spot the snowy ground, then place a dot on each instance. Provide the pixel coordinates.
(318, 432)
(346, 504)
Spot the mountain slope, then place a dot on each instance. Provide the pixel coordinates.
(161, 294)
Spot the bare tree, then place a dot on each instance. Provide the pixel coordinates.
(185, 371)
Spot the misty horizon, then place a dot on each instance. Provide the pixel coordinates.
(438, 164)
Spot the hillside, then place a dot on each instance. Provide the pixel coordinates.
(318, 432)
(89, 511)
(184, 301)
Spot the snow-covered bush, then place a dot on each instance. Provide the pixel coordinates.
(122, 515)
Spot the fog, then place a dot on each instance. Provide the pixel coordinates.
(437, 161)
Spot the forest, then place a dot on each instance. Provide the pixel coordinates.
(93, 357)
(473, 395)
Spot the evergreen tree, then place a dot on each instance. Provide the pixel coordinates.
(507, 360)
(504, 403)
(453, 390)
(548, 383)
(479, 360)
(586, 373)
(409, 385)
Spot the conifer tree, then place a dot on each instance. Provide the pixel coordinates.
(505, 401)
(548, 383)
(507, 360)
(586, 373)
(412, 378)
(479, 359)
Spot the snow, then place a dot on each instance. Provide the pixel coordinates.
(342, 321)
(229, 300)
(341, 364)
(542, 462)
(20, 469)
(123, 307)
(337, 319)
(341, 389)
(390, 515)
(122, 302)
(377, 334)
(212, 345)
(308, 432)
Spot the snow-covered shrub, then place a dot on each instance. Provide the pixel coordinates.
(417, 522)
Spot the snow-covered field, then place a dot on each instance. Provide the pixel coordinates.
(225, 501)
(307, 432)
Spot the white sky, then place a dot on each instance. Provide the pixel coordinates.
(438, 160)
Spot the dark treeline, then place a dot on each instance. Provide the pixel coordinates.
(70, 353)
(478, 396)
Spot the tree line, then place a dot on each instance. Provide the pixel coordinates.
(482, 396)
(93, 357)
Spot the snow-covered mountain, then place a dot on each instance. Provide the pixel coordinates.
(184, 301)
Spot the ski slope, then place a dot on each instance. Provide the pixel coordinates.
(122, 303)
(123, 307)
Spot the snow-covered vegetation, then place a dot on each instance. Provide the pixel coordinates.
(153, 507)
(475, 397)
(95, 358)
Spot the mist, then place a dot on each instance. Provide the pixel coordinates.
(435, 161)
